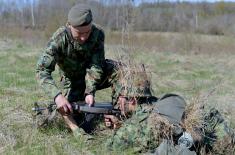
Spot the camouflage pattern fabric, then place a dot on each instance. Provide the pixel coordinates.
(147, 130)
(135, 133)
(133, 81)
(80, 65)
(219, 137)
(74, 91)
(143, 131)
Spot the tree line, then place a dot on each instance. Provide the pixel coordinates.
(118, 15)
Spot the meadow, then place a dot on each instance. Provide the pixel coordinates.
(194, 66)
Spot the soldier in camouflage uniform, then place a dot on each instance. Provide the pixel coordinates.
(158, 125)
(78, 50)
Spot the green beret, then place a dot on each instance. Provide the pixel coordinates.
(80, 15)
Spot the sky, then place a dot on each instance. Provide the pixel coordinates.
(139, 1)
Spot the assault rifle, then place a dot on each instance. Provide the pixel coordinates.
(45, 112)
(82, 107)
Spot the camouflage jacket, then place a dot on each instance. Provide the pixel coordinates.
(143, 129)
(76, 61)
(135, 133)
(146, 129)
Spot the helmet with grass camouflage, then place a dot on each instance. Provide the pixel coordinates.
(132, 83)
(138, 88)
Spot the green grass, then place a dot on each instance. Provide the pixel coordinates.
(208, 76)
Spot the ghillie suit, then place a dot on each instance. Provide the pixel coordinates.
(148, 125)
(219, 137)
(210, 132)
(167, 125)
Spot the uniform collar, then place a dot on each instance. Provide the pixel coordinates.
(69, 33)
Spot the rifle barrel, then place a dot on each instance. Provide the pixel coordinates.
(38, 109)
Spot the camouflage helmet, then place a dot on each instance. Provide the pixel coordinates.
(138, 86)
(132, 83)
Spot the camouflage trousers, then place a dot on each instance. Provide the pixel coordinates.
(74, 91)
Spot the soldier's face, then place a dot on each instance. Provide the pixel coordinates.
(81, 33)
(130, 102)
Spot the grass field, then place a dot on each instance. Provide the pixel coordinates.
(192, 66)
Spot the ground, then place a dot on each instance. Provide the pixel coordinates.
(204, 71)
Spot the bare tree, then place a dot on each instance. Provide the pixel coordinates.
(32, 13)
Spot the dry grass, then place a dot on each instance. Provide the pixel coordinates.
(194, 118)
(161, 127)
(187, 43)
(189, 65)
(134, 76)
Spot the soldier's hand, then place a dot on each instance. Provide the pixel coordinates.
(63, 105)
(112, 121)
(90, 100)
(122, 102)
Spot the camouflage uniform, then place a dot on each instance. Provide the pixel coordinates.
(83, 67)
(148, 129)
(139, 132)
(219, 137)
(135, 133)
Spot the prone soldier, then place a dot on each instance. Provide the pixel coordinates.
(163, 127)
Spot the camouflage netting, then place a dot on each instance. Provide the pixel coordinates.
(194, 118)
(209, 129)
(133, 81)
(224, 146)
(161, 127)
